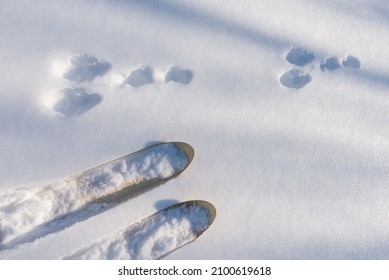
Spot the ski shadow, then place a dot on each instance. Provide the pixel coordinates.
(89, 210)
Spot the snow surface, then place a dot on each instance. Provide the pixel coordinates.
(293, 173)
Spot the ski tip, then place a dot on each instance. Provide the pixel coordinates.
(187, 149)
(206, 205)
(211, 209)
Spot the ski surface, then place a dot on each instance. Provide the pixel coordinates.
(155, 236)
(30, 213)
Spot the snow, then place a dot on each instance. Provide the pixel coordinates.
(295, 170)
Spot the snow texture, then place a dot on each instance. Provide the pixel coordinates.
(152, 238)
(29, 213)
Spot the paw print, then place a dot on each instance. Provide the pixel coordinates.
(75, 99)
(145, 75)
(297, 78)
(83, 69)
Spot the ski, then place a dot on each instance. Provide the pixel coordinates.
(155, 236)
(30, 213)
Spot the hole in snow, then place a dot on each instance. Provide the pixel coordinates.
(351, 62)
(140, 77)
(85, 68)
(75, 101)
(295, 78)
(178, 75)
(300, 56)
(331, 63)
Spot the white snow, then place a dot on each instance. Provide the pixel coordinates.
(295, 172)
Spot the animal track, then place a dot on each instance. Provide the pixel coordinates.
(299, 56)
(75, 101)
(178, 75)
(140, 77)
(331, 63)
(295, 78)
(144, 75)
(85, 68)
(351, 62)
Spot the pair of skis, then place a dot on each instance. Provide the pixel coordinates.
(29, 214)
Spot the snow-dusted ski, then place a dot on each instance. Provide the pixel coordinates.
(30, 213)
(155, 236)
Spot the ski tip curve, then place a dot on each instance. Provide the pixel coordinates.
(186, 148)
(206, 205)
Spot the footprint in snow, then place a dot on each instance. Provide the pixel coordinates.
(331, 63)
(75, 101)
(145, 75)
(140, 77)
(179, 75)
(85, 68)
(351, 62)
(300, 56)
(295, 78)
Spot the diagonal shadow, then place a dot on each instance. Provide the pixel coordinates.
(204, 19)
(377, 78)
(219, 24)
